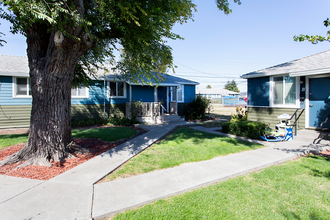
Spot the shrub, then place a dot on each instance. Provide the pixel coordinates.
(197, 108)
(250, 129)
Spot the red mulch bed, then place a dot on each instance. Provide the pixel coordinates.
(95, 146)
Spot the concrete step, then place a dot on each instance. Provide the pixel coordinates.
(172, 118)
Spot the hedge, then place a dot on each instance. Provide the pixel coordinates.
(250, 129)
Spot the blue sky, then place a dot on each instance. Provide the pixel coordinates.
(217, 47)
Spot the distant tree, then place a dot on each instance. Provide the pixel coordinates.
(208, 87)
(316, 38)
(231, 86)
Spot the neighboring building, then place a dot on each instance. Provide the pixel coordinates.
(299, 84)
(97, 101)
(216, 93)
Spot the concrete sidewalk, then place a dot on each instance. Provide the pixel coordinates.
(73, 195)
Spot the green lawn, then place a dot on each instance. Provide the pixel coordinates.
(183, 146)
(105, 134)
(298, 189)
(12, 139)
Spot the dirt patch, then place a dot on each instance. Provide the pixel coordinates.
(95, 147)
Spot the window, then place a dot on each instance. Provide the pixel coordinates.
(22, 87)
(79, 92)
(173, 90)
(116, 89)
(180, 93)
(284, 90)
(177, 93)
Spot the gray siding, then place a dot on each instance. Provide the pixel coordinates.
(269, 115)
(13, 116)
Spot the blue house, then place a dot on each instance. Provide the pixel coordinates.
(302, 85)
(109, 96)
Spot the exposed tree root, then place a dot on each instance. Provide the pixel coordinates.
(43, 157)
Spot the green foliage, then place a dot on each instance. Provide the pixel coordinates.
(105, 134)
(232, 86)
(140, 27)
(314, 39)
(250, 129)
(223, 5)
(208, 87)
(197, 108)
(298, 189)
(184, 145)
(123, 121)
(12, 139)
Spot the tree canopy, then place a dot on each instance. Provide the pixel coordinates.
(231, 86)
(315, 38)
(208, 87)
(67, 40)
(141, 28)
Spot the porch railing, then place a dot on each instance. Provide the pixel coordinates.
(296, 118)
(144, 109)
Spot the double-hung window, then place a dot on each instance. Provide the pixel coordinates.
(79, 92)
(284, 91)
(22, 87)
(116, 89)
(180, 93)
(177, 94)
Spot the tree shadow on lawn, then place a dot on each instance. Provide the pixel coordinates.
(316, 172)
(12, 136)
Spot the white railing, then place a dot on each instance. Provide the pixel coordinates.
(144, 109)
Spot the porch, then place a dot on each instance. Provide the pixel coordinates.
(151, 112)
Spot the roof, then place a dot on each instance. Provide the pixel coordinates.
(312, 65)
(222, 92)
(13, 66)
(18, 66)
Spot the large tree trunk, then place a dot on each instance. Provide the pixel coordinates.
(52, 60)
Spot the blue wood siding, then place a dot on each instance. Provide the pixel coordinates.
(258, 91)
(6, 93)
(189, 93)
(143, 93)
(96, 96)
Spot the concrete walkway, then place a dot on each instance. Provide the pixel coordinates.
(73, 195)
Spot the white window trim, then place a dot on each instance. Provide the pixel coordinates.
(108, 89)
(272, 98)
(81, 97)
(14, 87)
(182, 88)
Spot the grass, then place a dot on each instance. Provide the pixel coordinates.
(211, 124)
(295, 190)
(183, 146)
(12, 139)
(105, 134)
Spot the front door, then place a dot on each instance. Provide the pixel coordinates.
(319, 101)
(162, 96)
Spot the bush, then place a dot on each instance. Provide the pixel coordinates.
(250, 129)
(197, 108)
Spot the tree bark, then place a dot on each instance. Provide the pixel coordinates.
(52, 65)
